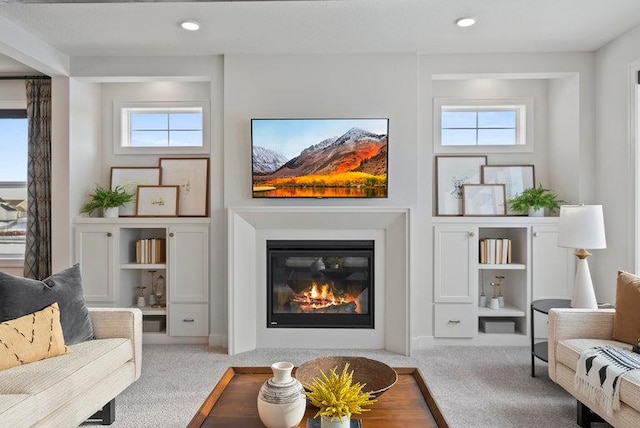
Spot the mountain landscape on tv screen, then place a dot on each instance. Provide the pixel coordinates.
(353, 164)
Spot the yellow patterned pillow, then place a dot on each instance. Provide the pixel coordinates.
(32, 338)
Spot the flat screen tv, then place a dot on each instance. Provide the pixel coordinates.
(319, 158)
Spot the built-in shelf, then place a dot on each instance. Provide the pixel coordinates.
(147, 310)
(503, 266)
(507, 311)
(144, 266)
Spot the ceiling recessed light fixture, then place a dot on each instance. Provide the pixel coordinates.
(190, 25)
(465, 22)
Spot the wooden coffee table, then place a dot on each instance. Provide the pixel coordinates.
(233, 402)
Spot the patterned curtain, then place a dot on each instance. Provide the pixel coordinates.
(37, 256)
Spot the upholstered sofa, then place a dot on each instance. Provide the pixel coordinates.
(66, 390)
(570, 332)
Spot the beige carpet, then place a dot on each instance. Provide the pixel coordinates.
(474, 386)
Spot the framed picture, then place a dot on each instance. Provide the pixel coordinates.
(157, 201)
(483, 200)
(130, 177)
(516, 179)
(192, 176)
(451, 173)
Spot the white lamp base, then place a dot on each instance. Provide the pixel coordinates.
(583, 294)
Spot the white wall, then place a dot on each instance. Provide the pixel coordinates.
(320, 86)
(616, 151)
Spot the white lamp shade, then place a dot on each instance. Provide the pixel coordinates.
(581, 226)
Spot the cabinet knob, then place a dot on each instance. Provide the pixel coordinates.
(109, 234)
(472, 234)
(535, 234)
(171, 235)
(188, 320)
(454, 322)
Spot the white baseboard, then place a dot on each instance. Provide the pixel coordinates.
(219, 341)
(422, 342)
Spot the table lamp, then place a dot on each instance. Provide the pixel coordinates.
(582, 227)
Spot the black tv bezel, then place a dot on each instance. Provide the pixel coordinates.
(386, 196)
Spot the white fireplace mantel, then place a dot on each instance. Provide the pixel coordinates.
(248, 230)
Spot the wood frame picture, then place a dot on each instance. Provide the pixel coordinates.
(192, 176)
(130, 177)
(483, 200)
(516, 178)
(451, 173)
(157, 201)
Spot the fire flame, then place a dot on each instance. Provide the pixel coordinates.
(322, 296)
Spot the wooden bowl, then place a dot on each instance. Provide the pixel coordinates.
(377, 376)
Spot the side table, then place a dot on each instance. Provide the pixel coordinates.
(541, 349)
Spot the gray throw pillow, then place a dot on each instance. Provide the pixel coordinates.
(21, 296)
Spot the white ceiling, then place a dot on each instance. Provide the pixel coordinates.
(427, 26)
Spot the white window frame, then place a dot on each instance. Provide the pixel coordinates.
(121, 127)
(524, 123)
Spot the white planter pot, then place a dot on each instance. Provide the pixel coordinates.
(111, 212)
(326, 422)
(536, 213)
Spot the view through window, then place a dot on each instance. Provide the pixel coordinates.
(13, 183)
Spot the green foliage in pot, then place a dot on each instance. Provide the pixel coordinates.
(106, 198)
(536, 198)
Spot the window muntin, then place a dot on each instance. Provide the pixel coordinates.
(466, 126)
(490, 125)
(162, 127)
(13, 183)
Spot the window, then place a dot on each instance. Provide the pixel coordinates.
(13, 183)
(162, 127)
(481, 125)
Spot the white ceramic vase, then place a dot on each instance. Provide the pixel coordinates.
(111, 212)
(281, 401)
(327, 422)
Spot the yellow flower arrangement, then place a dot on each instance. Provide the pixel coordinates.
(337, 396)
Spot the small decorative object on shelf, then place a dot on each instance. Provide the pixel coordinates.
(107, 199)
(495, 302)
(500, 281)
(281, 401)
(338, 398)
(534, 200)
(141, 300)
(158, 291)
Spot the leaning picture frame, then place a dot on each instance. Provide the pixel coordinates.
(516, 178)
(192, 176)
(451, 173)
(157, 201)
(129, 178)
(483, 200)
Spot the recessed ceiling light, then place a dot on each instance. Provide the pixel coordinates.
(190, 25)
(465, 22)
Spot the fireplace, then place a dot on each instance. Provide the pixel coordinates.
(320, 284)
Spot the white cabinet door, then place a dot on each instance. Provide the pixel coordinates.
(188, 264)
(95, 250)
(553, 267)
(455, 263)
(552, 273)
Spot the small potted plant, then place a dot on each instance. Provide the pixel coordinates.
(534, 201)
(107, 199)
(338, 398)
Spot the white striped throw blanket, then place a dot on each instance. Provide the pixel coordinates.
(600, 371)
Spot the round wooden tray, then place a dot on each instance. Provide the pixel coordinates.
(377, 376)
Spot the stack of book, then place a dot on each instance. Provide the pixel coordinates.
(495, 251)
(150, 251)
